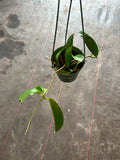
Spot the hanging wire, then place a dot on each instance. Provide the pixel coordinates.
(82, 26)
(68, 24)
(56, 25)
(68, 21)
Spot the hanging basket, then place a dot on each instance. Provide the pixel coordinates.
(71, 75)
(67, 77)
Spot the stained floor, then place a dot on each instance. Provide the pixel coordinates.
(26, 41)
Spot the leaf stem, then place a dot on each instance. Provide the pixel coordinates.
(90, 56)
(100, 49)
(43, 97)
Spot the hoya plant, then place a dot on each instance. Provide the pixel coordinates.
(67, 61)
(71, 58)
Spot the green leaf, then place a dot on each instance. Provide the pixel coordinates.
(41, 89)
(54, 54)
(68, 50)
(57, 114)
(27, 93)
(91, 44)
(78, 57)
(57, 56)
(64, 72)
(37, 90)
(75, 68)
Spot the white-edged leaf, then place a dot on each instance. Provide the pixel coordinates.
(78, 57)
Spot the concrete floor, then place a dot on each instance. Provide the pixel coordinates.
(28, 65)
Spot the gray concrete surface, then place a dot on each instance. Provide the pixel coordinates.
(102, 21)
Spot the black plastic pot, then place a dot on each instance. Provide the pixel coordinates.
(70, 77)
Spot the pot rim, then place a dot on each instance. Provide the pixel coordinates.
(77, 50)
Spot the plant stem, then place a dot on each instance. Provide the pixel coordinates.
(28, 126)
(52, 81)
(43, 97)
(90, 56)
(100, 49)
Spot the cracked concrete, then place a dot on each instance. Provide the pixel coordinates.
(28, 28)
